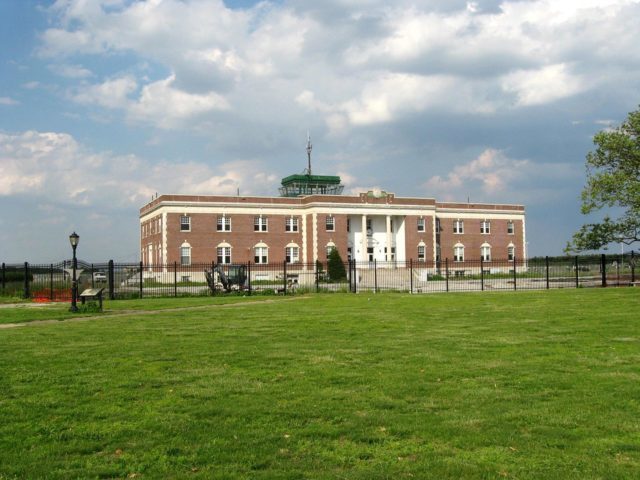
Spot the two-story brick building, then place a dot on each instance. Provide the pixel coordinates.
(312, 216)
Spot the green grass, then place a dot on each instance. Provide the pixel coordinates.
(29, 312)
(495, 385)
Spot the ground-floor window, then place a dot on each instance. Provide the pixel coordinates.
(224, 254)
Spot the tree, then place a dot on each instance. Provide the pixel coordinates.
(335, 266)
(613, 181)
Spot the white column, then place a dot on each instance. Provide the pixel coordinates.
(314, 227)
(388, 241)
(305, 260)
(363, 247)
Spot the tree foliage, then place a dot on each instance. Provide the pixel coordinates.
(613, 181)
(335, 266)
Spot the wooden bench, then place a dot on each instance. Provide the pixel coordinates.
(92, 294)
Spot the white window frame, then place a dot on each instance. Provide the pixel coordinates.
(260, 224)
(330, 223)
(458, 226)
(485, 252)
(485, 227)
(511, 252)
(510, 228)
(421, 225)
(422, 253)
(261, 254)
(223, 254)
(183, 223)
(291, 224)
(292, 254)
(223, 223)
(185, 260)
(458, 252)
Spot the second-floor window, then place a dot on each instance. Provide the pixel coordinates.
(510, 228)
(330, 223)
(224, 224)
(291, 224)
(421, 224)
(485, 226)
(185, 223)
(260, 224)
(458, 226)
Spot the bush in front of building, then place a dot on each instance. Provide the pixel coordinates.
(335, 266)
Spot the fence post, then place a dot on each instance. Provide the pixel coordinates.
(515, 272)
(284, 279)
(112, 295)
(249, 276)
(26, 292)
(446, 272)
(411, 275)
(51, 282)
(375, 276)
(603, 269)
(141, 266)
(632, 262)
(4, 269)
(317, 275)
(175, 279)
(577, 274)
(546, 261)
(481, 273)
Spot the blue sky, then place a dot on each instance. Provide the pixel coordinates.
(105, 103)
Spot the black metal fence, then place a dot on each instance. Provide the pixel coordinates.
(52, 282)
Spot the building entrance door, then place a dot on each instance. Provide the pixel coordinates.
(370, 253)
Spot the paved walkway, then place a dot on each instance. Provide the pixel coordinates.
(128, 313)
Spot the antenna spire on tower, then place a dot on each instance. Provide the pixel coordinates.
(309, 147)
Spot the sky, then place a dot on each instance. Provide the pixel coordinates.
(106, 103)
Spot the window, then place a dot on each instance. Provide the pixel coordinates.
(510, 229)
(348, 225)
(224, 224)
(421, 253)
(511, 253)
(260, 254)
(292, 254)
(458, 226)
(260, 224)
(291, 224)
(185, 254)
(421, 224)
(330, 248)
(330, 223)
(369, 227)
(437, 225)
(485, 226)
(224, 254)
(485, 252)
(393, 254)
(349, 253)
(185, 223)
(458, 253)
(438, 253)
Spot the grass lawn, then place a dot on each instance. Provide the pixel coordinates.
(470, 385)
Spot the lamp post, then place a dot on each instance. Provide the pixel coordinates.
(74, 239)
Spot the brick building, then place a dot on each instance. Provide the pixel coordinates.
(312, 216)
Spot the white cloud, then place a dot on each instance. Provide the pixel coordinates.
(167, 106)
(71, 71)
(356, 63)
(8, 101)
(544, 85)
(57, 168)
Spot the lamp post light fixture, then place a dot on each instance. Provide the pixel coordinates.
(74, 239)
